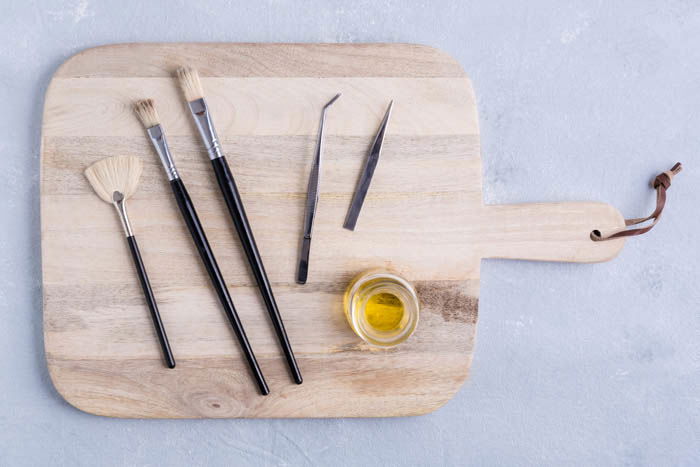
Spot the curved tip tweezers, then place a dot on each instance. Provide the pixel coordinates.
(312, 199)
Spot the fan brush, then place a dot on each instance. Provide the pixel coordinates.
(115, 179)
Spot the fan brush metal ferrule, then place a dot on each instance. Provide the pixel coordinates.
(119, 203)
(200, 112)
(161, 144)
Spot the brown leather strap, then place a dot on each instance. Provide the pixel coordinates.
(661, 183)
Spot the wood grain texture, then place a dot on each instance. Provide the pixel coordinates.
(423, 218)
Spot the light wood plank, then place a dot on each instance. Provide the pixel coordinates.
(265, 106)
(262, 60)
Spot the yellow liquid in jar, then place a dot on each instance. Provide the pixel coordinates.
(381, 307)
(384, 311)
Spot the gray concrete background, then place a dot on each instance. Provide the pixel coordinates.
(575, 364)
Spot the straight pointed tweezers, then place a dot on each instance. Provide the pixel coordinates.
(366, 178)
(312, 200)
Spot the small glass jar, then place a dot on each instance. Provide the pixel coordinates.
(381, 307)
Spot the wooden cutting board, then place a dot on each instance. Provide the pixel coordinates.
(424, 218)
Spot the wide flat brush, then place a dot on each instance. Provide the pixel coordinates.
(146, 112)
(194, 94)
(114, 180)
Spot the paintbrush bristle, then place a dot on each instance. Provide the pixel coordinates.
(190, 83)
(118, 173)
(146, 112)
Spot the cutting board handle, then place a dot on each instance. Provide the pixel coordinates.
(551, 231)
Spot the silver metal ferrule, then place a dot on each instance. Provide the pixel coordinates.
(120, 205)
(159, 142)
(200, 113)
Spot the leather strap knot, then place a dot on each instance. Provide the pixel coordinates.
(666, 177)
(661, 183)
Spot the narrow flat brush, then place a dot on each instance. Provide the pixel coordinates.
(192, 88)
(146, 112)
(114, 180)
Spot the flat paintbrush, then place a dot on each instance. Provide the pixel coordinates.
(192, 88)
(146, 112)
(115, 179)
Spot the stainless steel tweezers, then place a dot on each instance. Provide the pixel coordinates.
(312, 200)
(366, 178)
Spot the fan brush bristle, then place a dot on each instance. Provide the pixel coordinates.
(146, 112)
(190, 83)
(118, 173)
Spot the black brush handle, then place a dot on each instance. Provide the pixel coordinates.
(151, 300)
(240, 221)
(200, 240)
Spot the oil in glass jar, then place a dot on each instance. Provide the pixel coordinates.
(381, 307)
